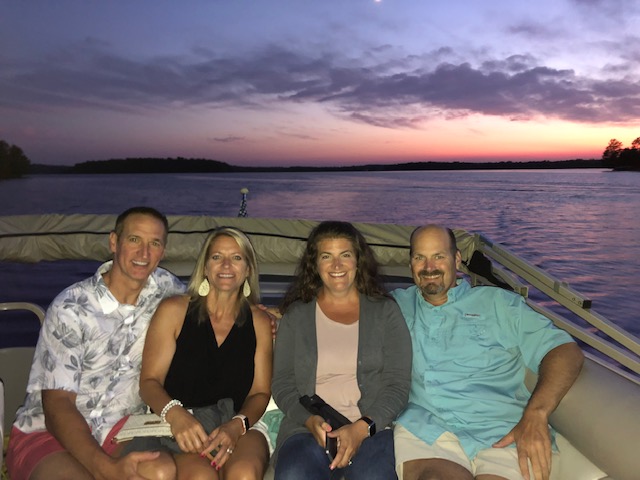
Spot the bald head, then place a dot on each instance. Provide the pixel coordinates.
(433, 228)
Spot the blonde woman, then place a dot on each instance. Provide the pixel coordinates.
(207, 365)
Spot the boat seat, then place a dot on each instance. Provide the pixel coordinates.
(574, 464)
(15, 365)
(2, 424)
(597, 442)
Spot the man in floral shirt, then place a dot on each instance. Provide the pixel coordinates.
(85, 372)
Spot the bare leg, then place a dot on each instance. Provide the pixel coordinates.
(60, 466)
(435, 469)
(192, 466)
(249, 458)
(162, 468)
(248, 461)
(63, 466)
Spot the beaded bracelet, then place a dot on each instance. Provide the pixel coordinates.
(167, 407)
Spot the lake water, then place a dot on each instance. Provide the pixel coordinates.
(582, 226)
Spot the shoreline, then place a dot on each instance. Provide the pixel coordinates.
(183, 165)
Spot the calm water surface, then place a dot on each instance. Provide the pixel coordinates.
(581, 226)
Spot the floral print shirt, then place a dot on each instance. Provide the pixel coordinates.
(92, 345)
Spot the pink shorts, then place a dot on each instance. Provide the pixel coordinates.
(26, 450)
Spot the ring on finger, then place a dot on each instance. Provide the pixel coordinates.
(229, 450)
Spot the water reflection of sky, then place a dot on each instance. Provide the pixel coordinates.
(579, 225)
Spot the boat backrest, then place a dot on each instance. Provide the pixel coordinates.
(15, 365)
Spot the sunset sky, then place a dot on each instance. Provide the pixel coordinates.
(333, 82)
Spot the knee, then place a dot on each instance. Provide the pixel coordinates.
(162, 468)
(434, 472)
(245, 470)
(421, 475)
(431, 476)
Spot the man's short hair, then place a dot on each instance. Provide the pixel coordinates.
(452, 238)
(152, 212)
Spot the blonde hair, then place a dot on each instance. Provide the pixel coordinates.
(249, 255)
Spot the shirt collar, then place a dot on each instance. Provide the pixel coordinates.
(108, 302)
(453, 295)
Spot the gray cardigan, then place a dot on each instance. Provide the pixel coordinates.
(383, 370)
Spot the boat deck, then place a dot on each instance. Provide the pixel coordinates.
(598, 420)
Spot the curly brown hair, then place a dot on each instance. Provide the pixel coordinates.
(307, 279)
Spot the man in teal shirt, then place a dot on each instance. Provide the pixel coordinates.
(468, 403)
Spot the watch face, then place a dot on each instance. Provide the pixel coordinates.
(371, 425)
(245, 421)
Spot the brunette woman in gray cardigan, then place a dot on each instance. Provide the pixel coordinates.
(342, 338)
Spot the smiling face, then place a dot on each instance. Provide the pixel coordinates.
(434, 263)
(226, 266)
(337, 265)
(138, 249)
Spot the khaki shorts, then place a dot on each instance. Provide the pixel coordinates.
(491, 461)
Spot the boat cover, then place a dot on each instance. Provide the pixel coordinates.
(34, 238)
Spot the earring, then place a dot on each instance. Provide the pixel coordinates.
(246, 288)
(203, 289)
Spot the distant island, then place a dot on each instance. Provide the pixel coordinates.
(199, 165)
(15, 164)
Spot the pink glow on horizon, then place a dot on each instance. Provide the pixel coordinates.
(318, 83)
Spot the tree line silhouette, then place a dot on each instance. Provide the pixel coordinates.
(619, 158)
(14, 164)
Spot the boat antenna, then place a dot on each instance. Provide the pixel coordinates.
(243, 205)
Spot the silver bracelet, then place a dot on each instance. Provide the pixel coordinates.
(167, 407)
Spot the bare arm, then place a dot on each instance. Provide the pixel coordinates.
(260, 392)
(69, 427)
(159, 348)
(558, 371)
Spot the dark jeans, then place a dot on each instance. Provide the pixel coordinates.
(301, 457)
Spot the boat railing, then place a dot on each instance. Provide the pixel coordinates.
(621, 346)
(32, 307)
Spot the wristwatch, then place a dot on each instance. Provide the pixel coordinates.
(372, 425)
(244, 420)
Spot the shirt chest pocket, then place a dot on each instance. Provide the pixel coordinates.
(469, 330)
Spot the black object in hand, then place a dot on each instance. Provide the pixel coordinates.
(331, 447)
(317, 406)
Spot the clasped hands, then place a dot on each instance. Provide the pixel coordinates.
(192, 438)
(350, 437)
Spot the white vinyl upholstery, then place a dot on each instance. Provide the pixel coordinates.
(1, 422)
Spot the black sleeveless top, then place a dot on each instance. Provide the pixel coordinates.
(201, 372)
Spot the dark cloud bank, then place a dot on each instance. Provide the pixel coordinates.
(395, 94)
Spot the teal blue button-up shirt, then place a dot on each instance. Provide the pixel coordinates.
(469, 360)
